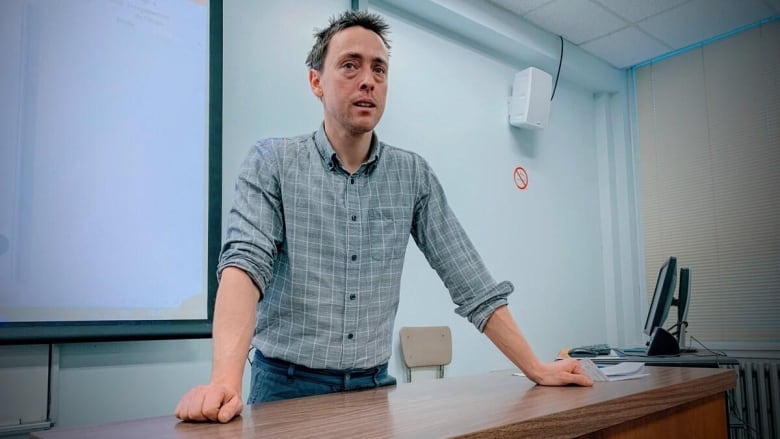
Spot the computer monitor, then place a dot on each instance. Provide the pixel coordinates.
(661, 341)
(662, 296)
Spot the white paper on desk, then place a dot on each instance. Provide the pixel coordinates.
(617, 372)
(623, 369)
(627, 377)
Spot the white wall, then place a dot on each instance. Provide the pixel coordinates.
(446, 101)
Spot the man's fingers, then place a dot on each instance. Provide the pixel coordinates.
(178, 412)
(582, 380)
(579, 376)
(209, 403)
(212, 402)
(230, 409)
(195, 404)
(183, 407)
(573, 365)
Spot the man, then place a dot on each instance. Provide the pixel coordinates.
(317, 235)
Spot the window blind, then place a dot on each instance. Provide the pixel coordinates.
(709, 165)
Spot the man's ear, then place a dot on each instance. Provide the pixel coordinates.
(314, 83)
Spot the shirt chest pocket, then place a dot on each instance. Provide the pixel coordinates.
(388, 231)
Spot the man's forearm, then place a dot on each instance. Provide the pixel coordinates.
(234, 324)
(502, 330)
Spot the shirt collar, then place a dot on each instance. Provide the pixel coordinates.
(331, 160)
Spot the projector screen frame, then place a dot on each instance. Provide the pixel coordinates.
(16, 333)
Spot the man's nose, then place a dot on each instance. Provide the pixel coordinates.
(367, 82)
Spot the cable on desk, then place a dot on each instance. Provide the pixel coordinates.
(716, 353)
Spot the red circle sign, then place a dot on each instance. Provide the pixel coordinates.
(521, 178)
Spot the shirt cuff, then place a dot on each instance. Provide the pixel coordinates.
(248, 268)
(495, 298)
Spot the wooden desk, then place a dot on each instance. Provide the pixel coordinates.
(682, 360)
(671, 402)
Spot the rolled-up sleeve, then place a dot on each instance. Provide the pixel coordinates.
(449, 251)
(255, 227)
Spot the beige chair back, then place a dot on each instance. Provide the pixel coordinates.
(426, 346)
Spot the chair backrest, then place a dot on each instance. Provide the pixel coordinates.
(425, 346)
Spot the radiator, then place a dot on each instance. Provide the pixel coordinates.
(754, 404)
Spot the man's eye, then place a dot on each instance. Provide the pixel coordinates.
(380, 70)
(350, 66)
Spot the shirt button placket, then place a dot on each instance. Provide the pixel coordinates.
(354, 238)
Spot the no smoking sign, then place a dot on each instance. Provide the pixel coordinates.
(521, 178)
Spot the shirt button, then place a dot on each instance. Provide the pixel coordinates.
(354, 217)
(352, 180)
(352, 296)
(350, 336)
(354, 257)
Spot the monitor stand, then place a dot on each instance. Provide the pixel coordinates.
(682, 337)
(662, 343)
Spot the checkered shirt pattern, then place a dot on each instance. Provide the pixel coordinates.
(326, 249)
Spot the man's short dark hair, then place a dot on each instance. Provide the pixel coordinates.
(347, 19)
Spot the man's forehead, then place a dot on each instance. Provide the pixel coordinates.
(358, 41)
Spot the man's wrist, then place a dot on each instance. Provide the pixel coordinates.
(227, 381)
(534, 370)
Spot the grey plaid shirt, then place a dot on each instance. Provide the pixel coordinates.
(326, 249)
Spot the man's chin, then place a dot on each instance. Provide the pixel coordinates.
(362, 128)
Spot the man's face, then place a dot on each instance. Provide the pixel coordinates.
(353, 82)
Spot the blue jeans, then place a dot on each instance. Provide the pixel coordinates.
(274, 379)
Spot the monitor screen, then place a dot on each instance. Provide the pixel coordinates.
(662, 296)
(110, 169)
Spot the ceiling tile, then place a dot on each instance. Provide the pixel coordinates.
(636, 10)
(627, 32)
(686, 25)
(577, 20)
(520, 7)
(626, 47)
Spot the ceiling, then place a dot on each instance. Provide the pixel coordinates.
(628, 32)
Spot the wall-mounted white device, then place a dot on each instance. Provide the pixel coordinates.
(529, 105)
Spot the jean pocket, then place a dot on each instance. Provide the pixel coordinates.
(257, 386)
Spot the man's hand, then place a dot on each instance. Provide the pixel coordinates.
(560, 373)
(212, 402)
(234, 323)
(502, 330)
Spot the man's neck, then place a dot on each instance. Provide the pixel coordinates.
(352, 149)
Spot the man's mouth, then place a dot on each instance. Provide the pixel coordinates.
(364, 104)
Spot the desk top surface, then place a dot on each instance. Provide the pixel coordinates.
(476, 406)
